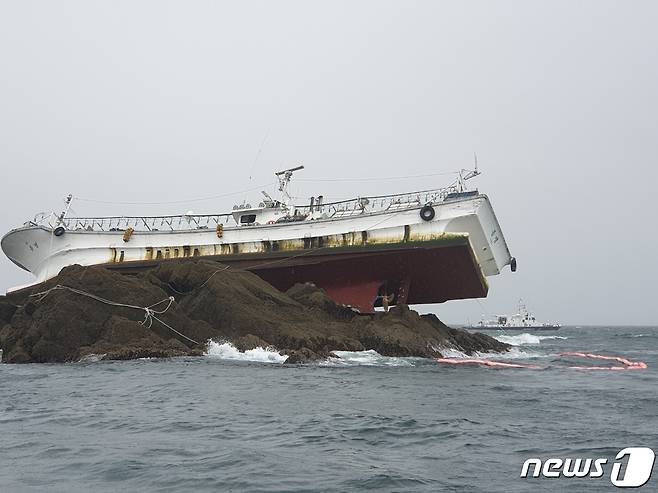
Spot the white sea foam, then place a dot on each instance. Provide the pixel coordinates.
(367, 358)
(92, 358)
(226, 350)
(524, 339)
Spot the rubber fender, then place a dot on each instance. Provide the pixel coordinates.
(427, 213)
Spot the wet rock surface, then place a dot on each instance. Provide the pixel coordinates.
(210, 302)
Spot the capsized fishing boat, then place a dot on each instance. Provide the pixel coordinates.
(427, 246)
(521, 320)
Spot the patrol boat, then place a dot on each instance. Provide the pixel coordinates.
(522, 320)
(426, 246)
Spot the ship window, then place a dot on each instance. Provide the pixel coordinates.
(248, 219)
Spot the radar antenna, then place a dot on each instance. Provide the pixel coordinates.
(284, 181)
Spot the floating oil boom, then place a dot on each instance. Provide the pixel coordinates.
(427, 246)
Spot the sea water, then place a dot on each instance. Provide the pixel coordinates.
(233, 421)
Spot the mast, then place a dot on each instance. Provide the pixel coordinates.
(467, 174)
(284, 182)
(62, 215)
(523, 310)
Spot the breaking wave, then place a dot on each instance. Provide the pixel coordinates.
(227, 351)
(524, 339)
(369, 358)
(90, 358)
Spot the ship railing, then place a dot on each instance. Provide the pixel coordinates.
(377, 203)
(184, 222)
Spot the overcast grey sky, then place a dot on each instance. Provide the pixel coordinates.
(155, 100)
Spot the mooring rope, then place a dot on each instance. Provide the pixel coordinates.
(200, 285)
(149, 311)
(245, 269)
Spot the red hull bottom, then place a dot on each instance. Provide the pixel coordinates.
(410, 276)
(407, 272)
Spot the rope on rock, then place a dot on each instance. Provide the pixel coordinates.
(212, 275)
(150, 311)
(244, 269)
(200, 285)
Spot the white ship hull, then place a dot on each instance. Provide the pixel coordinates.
(36, 249)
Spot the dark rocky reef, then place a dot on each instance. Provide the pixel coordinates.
(211, 302)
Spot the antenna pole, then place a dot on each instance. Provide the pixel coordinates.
(262, 144)
(465, 174)
(62, 216)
